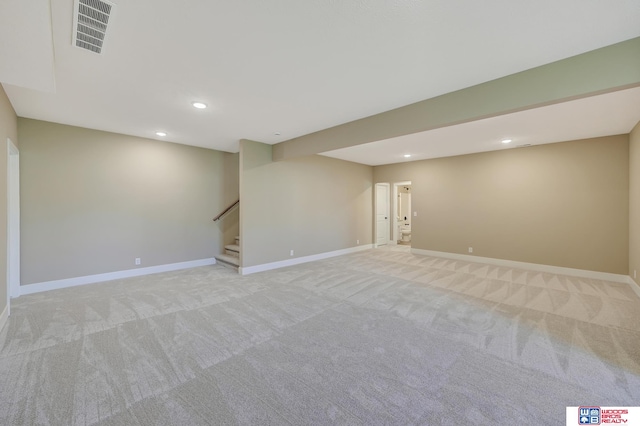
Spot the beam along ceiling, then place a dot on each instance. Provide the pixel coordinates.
(613, 113)
(274, 70)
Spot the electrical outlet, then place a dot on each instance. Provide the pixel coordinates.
(137, 260)
(357, 242)
(415, 214)
(470, 249)
(291, 253)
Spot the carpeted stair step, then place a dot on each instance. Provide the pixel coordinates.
(232, 250)
(226, 260)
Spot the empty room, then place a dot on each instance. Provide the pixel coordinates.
(279, 212)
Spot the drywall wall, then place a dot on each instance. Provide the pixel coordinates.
(94, 201)
(634, 203)
(563, 204)
(311, 205)
(8, 130)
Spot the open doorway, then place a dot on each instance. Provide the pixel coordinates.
(401, 226)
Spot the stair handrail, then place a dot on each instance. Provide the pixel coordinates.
(227, 210)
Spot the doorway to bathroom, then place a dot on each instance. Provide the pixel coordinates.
(402, 213)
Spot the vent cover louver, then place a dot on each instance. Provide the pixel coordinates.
(90, 23)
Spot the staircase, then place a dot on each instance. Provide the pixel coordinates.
(231, 256)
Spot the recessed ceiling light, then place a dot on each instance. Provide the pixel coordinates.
(506, 140)
(277, 133)
(199, 105)
(407, 155)
(161, 133)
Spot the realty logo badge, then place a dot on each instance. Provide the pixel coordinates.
(594, 415)
(589, 415)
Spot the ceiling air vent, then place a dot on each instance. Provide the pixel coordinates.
(90, 23)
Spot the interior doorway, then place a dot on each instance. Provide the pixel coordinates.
(402, 213)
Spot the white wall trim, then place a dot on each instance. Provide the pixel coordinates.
(13, 222)
(298, 260)
(109, 276)
(634, 285)
(4, 316)
(582, 273)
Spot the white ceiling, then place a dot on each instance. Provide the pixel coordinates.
(26, 44)
(282, 66)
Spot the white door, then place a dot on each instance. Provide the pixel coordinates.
(382, 213)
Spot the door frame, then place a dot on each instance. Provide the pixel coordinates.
(13, 221)
(394, 210)
(375, 213)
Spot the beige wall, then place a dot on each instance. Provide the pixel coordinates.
(8, 129)
(634, 202)
(92, 201)
(563, 204)
(311, 205)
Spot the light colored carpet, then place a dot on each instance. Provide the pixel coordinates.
(377, 337)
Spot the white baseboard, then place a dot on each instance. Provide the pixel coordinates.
(634, 285)
(296, 261)
(4, 316)
(109, 276)
(582, 273)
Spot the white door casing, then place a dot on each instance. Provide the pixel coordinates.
(13, 220)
